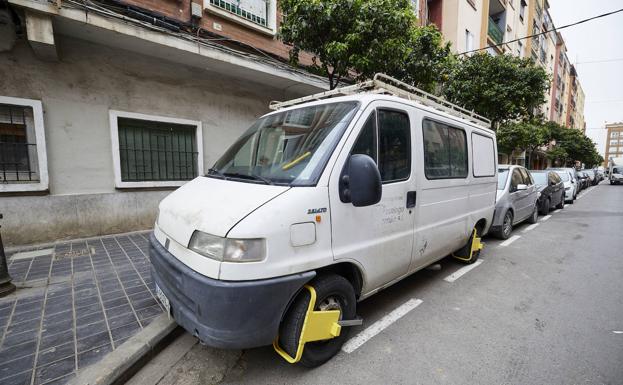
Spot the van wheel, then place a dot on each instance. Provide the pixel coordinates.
(535, 214)
(464, 254)
(507, 226)
(333, 292)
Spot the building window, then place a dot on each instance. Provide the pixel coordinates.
(23, 161)
(522, 10)
(259, 14)
(153, 151)
(469, 41)
(520, 49)
(445, 151)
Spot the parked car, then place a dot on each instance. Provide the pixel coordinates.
(318, 205)
(583, 178)
(515, 201)
(591, 177)
(568, 177)
(551, 190)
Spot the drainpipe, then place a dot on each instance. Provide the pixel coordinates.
(6, 287)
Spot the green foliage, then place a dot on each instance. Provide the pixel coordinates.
(524, 136)
(361, 37)
(572, 145)
(502, 88)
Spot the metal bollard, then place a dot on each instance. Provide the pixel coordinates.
(6, 287)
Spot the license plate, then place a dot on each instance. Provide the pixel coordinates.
(164, 300)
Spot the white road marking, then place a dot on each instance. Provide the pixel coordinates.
(380, 325)
(555, 211)
(617, 331)
(510, 240)
(531, 227)
(545, 218)
(462, 271)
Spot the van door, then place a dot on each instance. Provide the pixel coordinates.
(378, 237)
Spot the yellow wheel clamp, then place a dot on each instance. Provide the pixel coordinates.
(477, 245)
(318, 325)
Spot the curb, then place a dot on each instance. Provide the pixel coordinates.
(119, 365)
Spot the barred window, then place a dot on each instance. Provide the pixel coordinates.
(152, 151)
(18, 147)
(254, 11)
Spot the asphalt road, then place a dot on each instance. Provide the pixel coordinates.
(544, 308)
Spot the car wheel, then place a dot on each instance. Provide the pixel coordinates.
(561, 205)
(546, 206)
(507, 226)
(535, 214)
(333, 292)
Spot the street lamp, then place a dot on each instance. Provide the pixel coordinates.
(6, 287)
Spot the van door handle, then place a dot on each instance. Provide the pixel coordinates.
(411, 198)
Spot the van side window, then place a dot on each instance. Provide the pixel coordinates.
(445, 151)
(394, 145)
(366, 142)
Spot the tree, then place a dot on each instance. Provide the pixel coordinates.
(358, 38)
(572, 145)
(502, 88)
(524, 136)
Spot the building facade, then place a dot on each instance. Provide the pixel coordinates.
(475, 24)
(106, 109)
(614, 142)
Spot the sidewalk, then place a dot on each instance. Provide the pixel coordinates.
(76, 302)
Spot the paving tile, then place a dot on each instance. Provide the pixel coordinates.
(125, 331)
(26, 306)
(12, 339)
(6, 306)
(143, 303)
(57, 317)
(86, 301)
(135, 289)
(55, 370)
(106, 296)
(93, 341)
(62, 380)
(121, 320)
(57, 327)
(115, 311)
(90, 318)
(92, 356)
(22, 364)
(56, 339)
(115, 302)
(148, 312)
(83, 331)
(26, 316)
(18, 351)
(22, 378)
(20, 327)
(56, 353)
(80, 311)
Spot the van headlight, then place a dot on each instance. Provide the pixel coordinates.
(227, 249)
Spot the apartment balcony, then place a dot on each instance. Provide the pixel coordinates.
(495, 32)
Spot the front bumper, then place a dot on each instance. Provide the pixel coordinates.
(223, 314)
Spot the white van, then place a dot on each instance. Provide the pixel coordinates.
(318, 205)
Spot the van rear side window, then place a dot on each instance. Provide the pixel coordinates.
(483, 156)
(445, 151)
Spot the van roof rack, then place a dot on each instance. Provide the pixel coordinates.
(384, 84)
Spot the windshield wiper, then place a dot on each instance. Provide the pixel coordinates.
(248, 176)
(217, 172)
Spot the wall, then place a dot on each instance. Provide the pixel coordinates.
(77, 94)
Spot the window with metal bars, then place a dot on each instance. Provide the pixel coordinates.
(256, 11)
(156, 151)
(18, 147)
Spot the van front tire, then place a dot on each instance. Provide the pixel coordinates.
(333, 292)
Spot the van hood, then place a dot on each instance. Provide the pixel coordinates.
(211, 205)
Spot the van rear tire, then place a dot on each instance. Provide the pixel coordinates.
(331, 290)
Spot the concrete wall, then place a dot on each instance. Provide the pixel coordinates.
(77, 94)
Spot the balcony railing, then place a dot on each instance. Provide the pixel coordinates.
(495, 32)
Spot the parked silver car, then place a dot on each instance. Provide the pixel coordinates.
(515, 200)
(572, 185)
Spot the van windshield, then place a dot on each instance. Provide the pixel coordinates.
(287, 148)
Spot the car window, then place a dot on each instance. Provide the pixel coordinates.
(516, 179)
(564, 175)
(525, 177)
(540, 178)
(502, 176)
(386, 138)
(445, 151)
(394, 145)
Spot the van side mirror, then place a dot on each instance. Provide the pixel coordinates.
(521, 187)
(360, 182)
